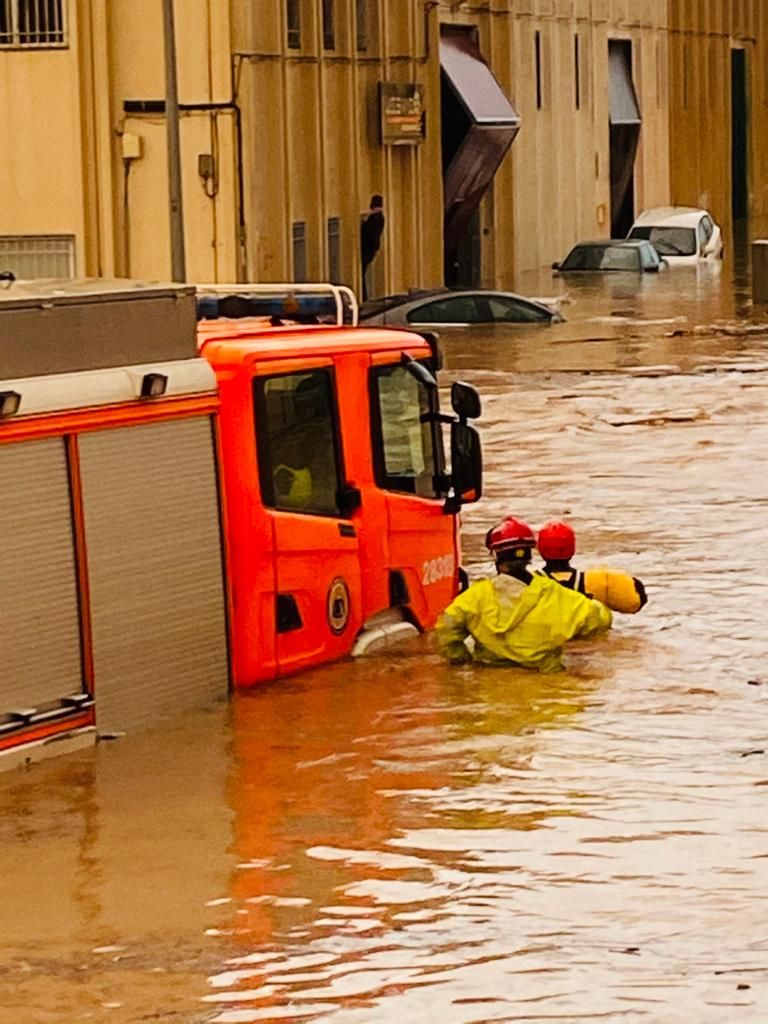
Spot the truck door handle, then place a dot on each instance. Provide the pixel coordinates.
(347, 530)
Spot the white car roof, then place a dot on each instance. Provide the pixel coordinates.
(671, 216)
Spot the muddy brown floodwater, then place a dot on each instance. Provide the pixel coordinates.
(396, 840)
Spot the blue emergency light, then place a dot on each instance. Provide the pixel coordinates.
(285, 306)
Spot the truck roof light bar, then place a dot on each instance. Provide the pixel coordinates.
(308, 303)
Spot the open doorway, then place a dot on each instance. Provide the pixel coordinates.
(463, 264)
(625, 123)
(739, 137)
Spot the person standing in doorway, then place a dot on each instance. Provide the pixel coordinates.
(371, 231)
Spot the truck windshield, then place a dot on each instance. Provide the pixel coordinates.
(407, 449)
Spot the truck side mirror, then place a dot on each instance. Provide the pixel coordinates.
(465, 401)
(466, 464)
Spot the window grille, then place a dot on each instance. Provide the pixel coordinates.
(299, 251)
(32, 23)
(35, 256)
(334, 250)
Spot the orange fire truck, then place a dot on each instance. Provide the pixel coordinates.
(204, 491)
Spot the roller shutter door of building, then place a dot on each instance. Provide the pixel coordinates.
(155, 570)
(39, 618)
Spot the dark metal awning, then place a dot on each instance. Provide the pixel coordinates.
(484, 100)
(622, 100)
(479, 125)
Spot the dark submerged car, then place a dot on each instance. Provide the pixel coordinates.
(627, 255)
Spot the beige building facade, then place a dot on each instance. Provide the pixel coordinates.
(498, 133)
(718, 107)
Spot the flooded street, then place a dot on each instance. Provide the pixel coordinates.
(397, 840)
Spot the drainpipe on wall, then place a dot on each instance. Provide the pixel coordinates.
(175, 203)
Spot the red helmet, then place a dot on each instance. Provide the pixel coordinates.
(557, 542)
(511, 534)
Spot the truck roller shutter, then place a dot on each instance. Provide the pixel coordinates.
(39, 619)
(155, 568)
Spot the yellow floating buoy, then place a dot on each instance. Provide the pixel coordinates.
(618, 590)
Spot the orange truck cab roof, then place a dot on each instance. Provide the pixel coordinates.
(258, 340)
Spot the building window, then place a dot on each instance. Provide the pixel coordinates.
(537, 49)
(334, 250)
(299, 251)
(712, 74)
(32, 23)
(35, 256)
(361, 12)
(659, 73)
(329, 42)
(577, 69)
(293, 23)
(685, 73)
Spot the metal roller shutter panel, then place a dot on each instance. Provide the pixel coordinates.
(155, 569)
(39, 619)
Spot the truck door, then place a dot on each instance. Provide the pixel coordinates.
(409, 468)
(303, 488)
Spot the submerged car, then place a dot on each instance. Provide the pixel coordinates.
(683, 235)
(457, 309)
(613, 254)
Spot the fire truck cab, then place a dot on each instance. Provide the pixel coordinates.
(197, 495)
(342, 517)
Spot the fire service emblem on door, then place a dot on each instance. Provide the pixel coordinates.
(338, 605)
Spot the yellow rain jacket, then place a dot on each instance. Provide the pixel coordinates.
(516, 623)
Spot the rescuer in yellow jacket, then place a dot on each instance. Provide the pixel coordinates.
(618, 590)
(517, 618)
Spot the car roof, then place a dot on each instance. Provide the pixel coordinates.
(628, 243)
(670, 216)
(373, 307)
(415, 298)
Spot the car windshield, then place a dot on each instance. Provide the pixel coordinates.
(603, 257)
(669, 241)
